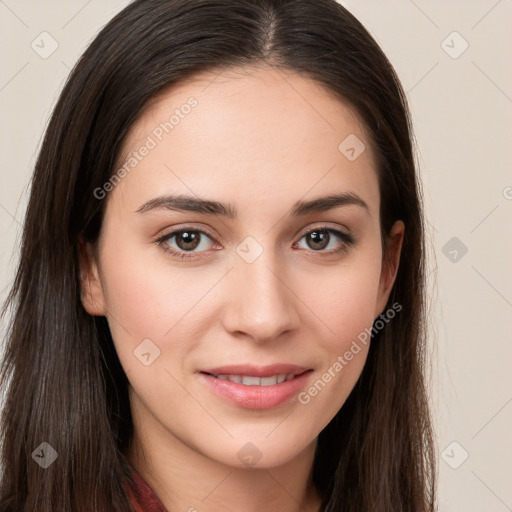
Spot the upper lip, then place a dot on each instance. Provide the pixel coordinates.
(256, 371)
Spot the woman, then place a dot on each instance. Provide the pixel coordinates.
(220, 297)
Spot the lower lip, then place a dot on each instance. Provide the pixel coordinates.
(256, 397)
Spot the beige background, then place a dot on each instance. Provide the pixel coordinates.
(462, 107)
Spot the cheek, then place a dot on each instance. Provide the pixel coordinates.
(149, 299)
(138, 298)
(342, 299)
(344, 308)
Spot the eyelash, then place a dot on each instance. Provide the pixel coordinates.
(347, 241)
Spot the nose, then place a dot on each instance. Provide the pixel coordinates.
(260, 302)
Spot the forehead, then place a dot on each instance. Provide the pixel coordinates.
(251, 131)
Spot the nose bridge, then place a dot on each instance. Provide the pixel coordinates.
(260, 303)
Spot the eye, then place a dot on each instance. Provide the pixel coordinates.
(322, 237)
(185, 241)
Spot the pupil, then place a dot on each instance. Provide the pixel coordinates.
(190, 240)
(319, 237)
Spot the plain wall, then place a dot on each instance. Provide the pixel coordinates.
(461, 102)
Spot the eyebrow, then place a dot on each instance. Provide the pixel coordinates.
(194, 204)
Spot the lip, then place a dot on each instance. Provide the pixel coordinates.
(256, 397)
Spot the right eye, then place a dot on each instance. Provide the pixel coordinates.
(183, 242)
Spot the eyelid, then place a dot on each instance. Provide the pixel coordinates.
(326, 226)
(185, 227)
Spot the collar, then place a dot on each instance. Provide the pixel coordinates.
(142, 496)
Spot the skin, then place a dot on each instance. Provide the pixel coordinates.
(259, 139)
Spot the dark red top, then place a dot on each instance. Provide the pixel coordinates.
(143, 497)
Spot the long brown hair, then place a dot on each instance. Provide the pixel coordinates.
(63, 382)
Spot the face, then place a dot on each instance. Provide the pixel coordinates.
(264, 282)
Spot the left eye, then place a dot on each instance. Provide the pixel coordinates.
(320, 239)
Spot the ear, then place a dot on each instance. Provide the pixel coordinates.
(91, 294)
(390, 262)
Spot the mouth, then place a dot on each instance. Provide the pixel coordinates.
(253, 387)
(253, 380)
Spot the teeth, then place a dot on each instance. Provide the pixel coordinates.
(269, 381)
(250, 380)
